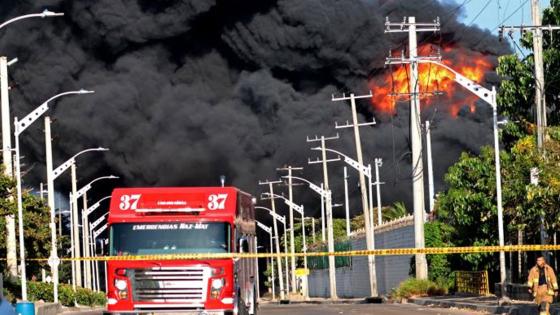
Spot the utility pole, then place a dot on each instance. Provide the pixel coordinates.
(430, 166)
(11, 251)
(313, 228)
(370, 235)
(537, 29)
(75, 227)
(257, 278)
(85, 243)
(53, 259)
(540, 103)
(323, 229)
(328, 199)
(272, 269)
(286, 258)
(346, 203)
(292, 245)
(275, 225)
(412, 28)
(72, 242)
(378, 164)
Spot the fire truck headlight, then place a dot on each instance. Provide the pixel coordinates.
(217, 284)
(120, 284)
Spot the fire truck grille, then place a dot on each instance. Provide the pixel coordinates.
(170, 285)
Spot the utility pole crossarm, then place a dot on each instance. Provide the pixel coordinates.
(266, 182)
(349, 125)
(523, 28)
(322, 138)
(392, 27)
(405, 61)
(319, 161)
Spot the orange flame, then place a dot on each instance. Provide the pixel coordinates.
(432, 79)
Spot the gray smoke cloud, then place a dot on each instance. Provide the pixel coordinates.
(189, 90)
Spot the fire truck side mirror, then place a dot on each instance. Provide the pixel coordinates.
(243, 245)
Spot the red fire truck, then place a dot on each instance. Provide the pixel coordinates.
(175, 221)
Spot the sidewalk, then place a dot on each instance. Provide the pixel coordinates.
(483, 304)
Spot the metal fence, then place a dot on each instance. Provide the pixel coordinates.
(316, 263)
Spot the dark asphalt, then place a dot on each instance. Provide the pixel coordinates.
(340, 309)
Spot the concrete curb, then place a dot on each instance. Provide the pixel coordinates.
(519, 309)
(47, 308)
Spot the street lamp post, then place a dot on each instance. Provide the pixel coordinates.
(269, 231)
(19, 127)
(11, 259)
(276, 217)
(54, 174)
(93, 244)
(92, 226)
(488, 96)
(299, 209)
(326, 194)
(275, 226)
(94, 235)
(85, 233)
(367, 172)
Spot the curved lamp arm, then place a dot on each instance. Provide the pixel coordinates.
(43, 14)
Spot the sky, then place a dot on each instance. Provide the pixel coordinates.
(489, 13)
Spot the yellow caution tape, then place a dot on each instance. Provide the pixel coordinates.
(376, 252)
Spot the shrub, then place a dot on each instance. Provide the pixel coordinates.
(414, 287)
(83, 296)
(89, 297)
(66, 295)
(99, 298)
(40, 291)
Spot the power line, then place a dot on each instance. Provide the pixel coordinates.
(502, 22)
(480, 12)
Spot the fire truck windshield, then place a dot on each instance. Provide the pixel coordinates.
(169, 238)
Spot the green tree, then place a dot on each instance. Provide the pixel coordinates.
(517, 89)
(36, 226)
(469, 204)
(396, 211)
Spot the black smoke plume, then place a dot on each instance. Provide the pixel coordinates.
(189, 90)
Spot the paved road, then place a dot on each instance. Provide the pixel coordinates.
(358, 309)
(344, 309)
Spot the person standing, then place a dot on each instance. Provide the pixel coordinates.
(543, 285)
